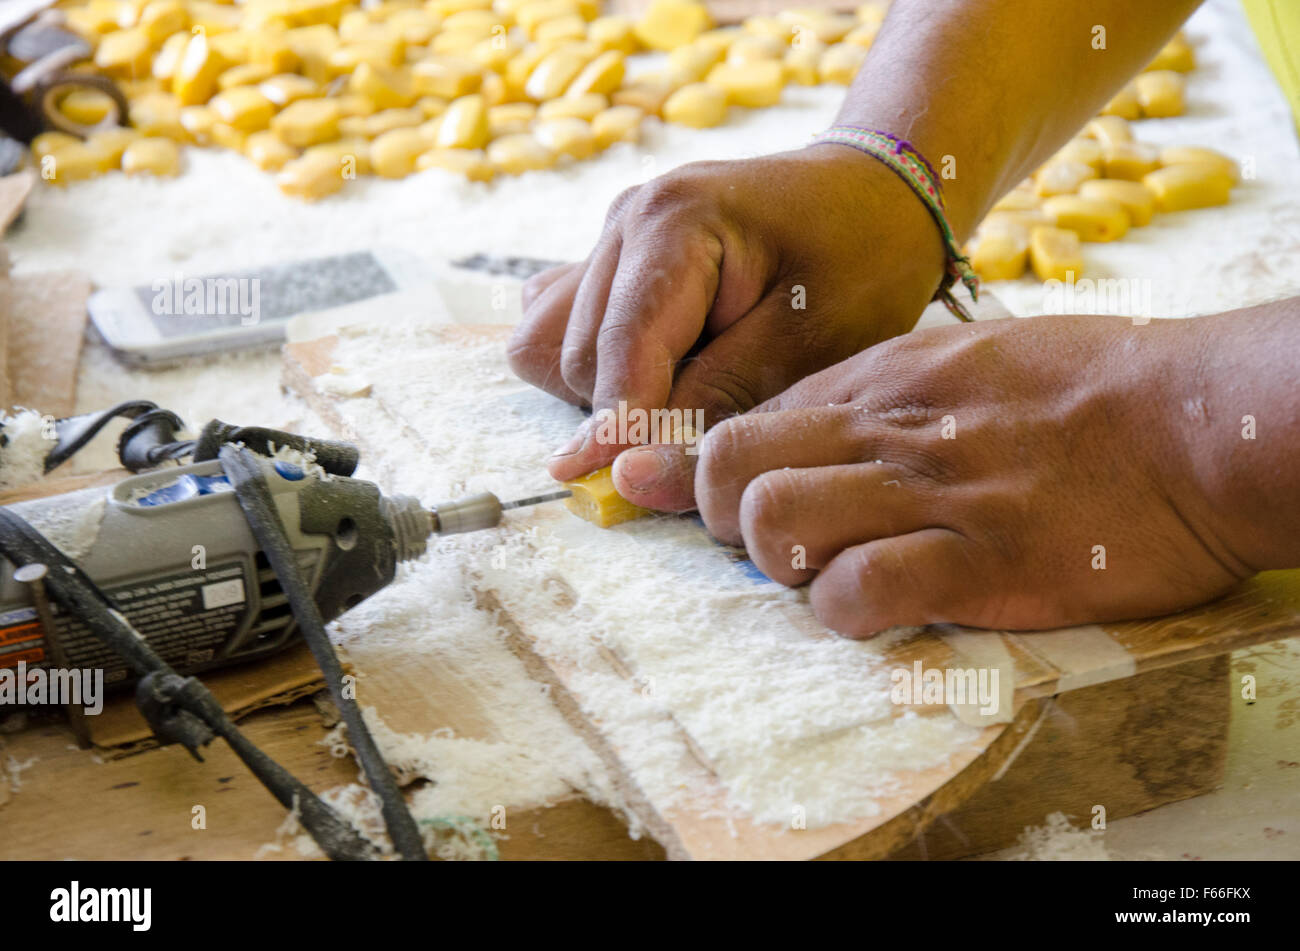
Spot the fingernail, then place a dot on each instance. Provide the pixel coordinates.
(574, 445)
(641, 469)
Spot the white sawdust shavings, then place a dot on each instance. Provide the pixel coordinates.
(26, 444)
(528, 758)
(783, 712)
(1057, 840)
(72, 524)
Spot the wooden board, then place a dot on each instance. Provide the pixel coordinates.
(46, 318)
(1265, 608)
(151, 792)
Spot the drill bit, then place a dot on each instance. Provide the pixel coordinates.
(538, 499)
(476, 512)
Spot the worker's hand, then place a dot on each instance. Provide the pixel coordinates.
(1015, 474)
(762, 271)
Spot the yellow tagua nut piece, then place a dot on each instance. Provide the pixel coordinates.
(448, 77)
(803, 64)
(1130, 160)
(87, 107)
(1135, 198)
(1109, 130)
(561, 29)
(245, 74)
(244, 108)
(198, 122)
(307, 122)
(586, 107)
(1124, 104)
(613, 33)
(285, 88)
(1092, 219)
(516, 154)
(1055, 254)
(126, 54)
(1160, 93)
(387, 88)
(1016, 224)
(602, 75)
(74, 163)
(226, 136)
(472, 163)
(311, 45)
(48, 143)
(720, 39)
(749, 49)
(310, 177)
(553, 75)
(431, 106)
(445, 8)
(699, 105)
(152, 156)
(616, 124)
(1062, 178)
(566, 136)
(169, 56)
(1182, 187)
(393, 154)
(864, 35)
(692, 63)
(1199, 155)
(351, 156)
(596, 500)
(1020, 198)
(840, 63)
(158, 113)
(271, 48)
(112, 143)
(344, 59)
(1088, 151)
(268, 152)
(1000, 257)
(195, 79)
(163, 18)
(647, 96)
(753, 85)
(513, 117)
(372, 127)
(668, 24)
(777, 28)
(531, 16)
(1177, 55)
(493, 90)
(464, 125)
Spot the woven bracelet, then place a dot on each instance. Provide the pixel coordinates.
(911, 166)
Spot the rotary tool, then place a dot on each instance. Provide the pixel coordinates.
(228, 559)
(172, 549)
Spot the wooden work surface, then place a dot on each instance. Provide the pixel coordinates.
(1045, 664)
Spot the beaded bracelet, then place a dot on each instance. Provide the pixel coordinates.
(910, 165)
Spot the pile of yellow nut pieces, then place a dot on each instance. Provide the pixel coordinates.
(1103, 182)
(324, 91)
(320, 91)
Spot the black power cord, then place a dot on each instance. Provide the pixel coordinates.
(179, 709)
(247, 478)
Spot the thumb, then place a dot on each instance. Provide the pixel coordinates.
(754, 359)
